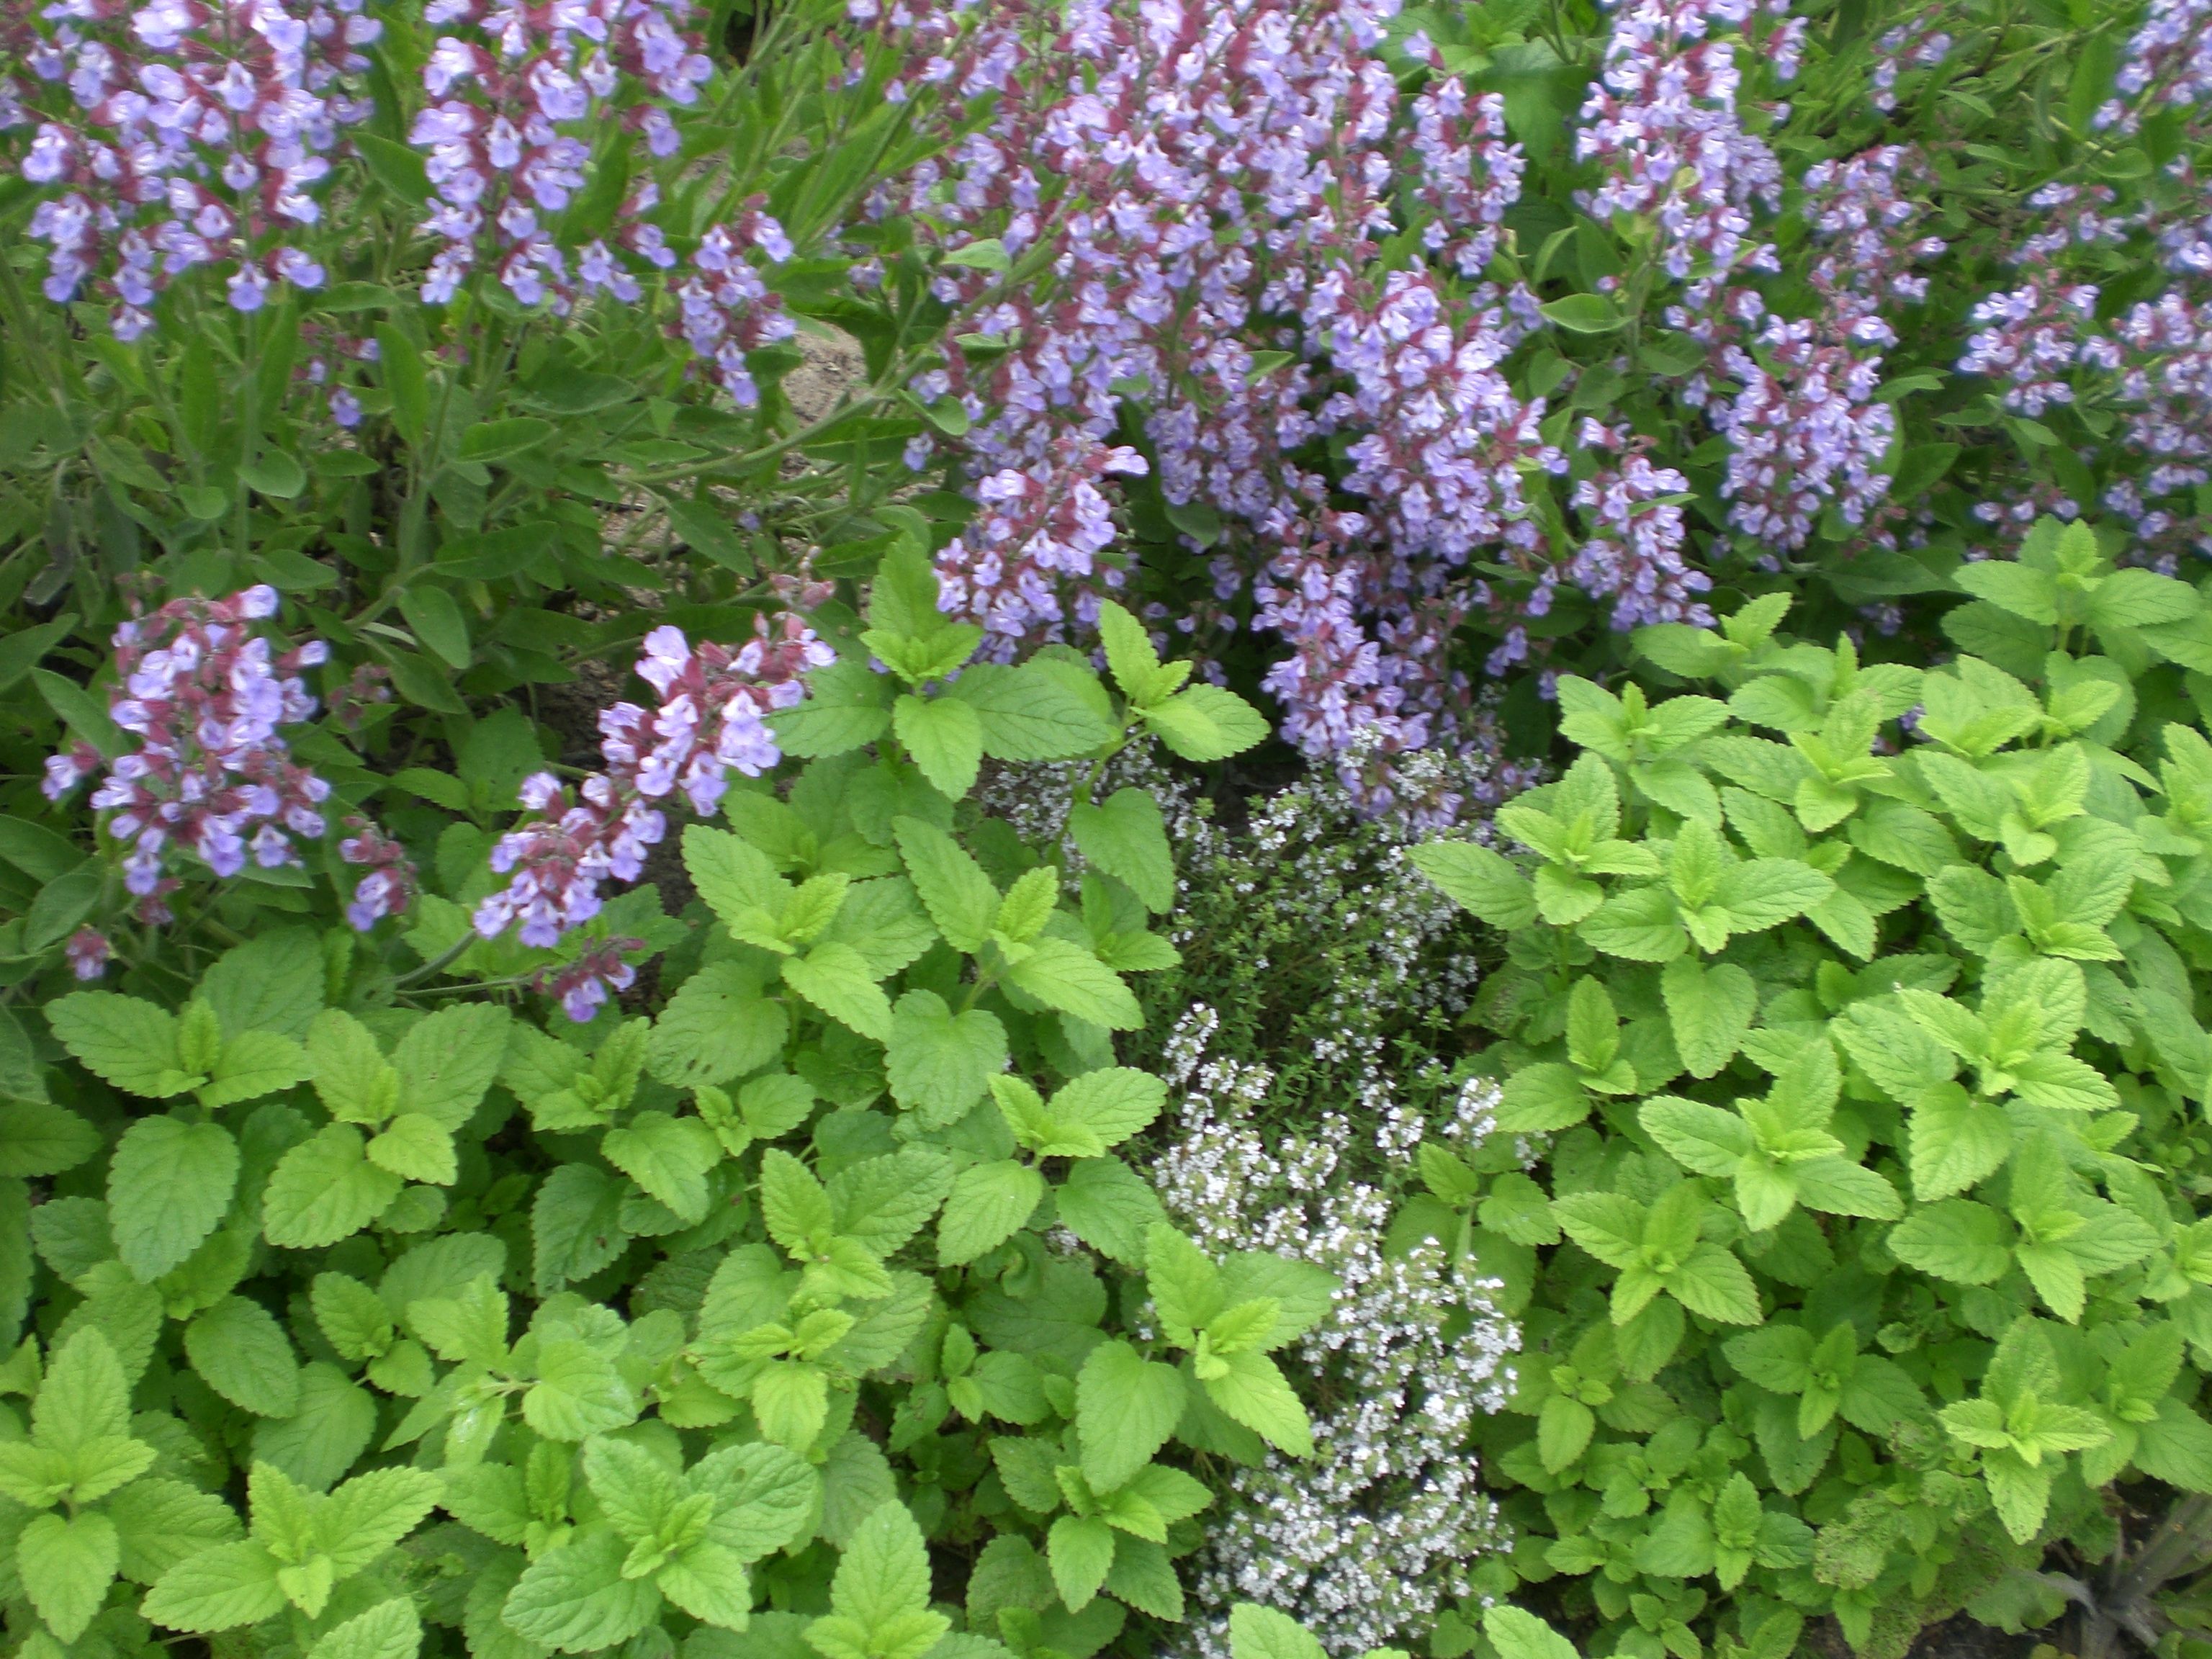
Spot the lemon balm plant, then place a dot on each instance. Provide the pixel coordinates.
(1851, 1016)
(808, 1303)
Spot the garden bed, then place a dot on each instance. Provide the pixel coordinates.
(852, 831)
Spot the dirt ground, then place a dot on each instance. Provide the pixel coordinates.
(1954, 1638)
(1963, 1639)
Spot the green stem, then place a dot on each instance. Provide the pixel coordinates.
(443, 960)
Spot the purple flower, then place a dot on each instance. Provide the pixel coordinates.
(205, 694)
(707, 724)
(390, 885)
(581, 986)
(521, 93)
(88, 951)
(137, 105)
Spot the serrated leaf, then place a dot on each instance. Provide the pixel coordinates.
(1126, 1409)
(1125, 836)
(1206, 723)
(1480, 880)
(325, 1189)
(988, 1204)
(130, 1043)
(241, 1352)
(939, 1063)
(1070, 979)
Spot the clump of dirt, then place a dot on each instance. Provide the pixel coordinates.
(1956, 1637)
(832, 364)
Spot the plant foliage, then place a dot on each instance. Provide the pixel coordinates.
(1850, 1019)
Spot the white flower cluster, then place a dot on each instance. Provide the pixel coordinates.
(1321, 977)
(1367, 1538)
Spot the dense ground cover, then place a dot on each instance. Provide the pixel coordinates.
(1432, 875)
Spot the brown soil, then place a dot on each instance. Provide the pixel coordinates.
(1959, 1637)
(831, 365)
(1965, 1638)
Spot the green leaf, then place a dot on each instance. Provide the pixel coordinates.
(1836, 1186)
(1039, 711)
(1703, 1139)
(65, 1566)
(2137, 598)
(1518, 1635)
(1584, 313)
(160, 1523)
(1110, 1207)
(1081, 1553)
(1126, 1409)
(274, 982)
(389, 1630)
(1765, 893)
(1957, 1240)
(2018, 588)
(1126, 837)
(2176, 1447)
(1898, 1053)
(1541, 1099)
(989, 1203)
(945, 736)
(399, 361)
(130, 1042)
(218, 1588)
(252, 1064)
(669, 1157)
(495, 440)
(240, 1351)
(836, 979)
(1258, 1632)
(718, 1025)
(2022, 1494)
(1206, 723)
(85, 1398)
(989, 253)
(881, 1202)
(883, 1573)
(574, 1599)
(1480, 880)
(1708, 1009)
(1956, 1141)
(1107, 1106)
(739, 881)
(446, 1061)
(1253, 1392)
(1028, 905)
(578, 1392)
(1130, 656)
(436, 621)
(954, 890)
(704, 528)
(325, 1189)
(766, 1499)
(846, 705)
(399, 167)
(1900, 834)
(938, 1064)
(367, 1515)
(276, 475)
(39, 1138)
(23, 650)
(1070, 979)
(82, 712)
(1711, 1282)
(1639, 926)
(318, 1442)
